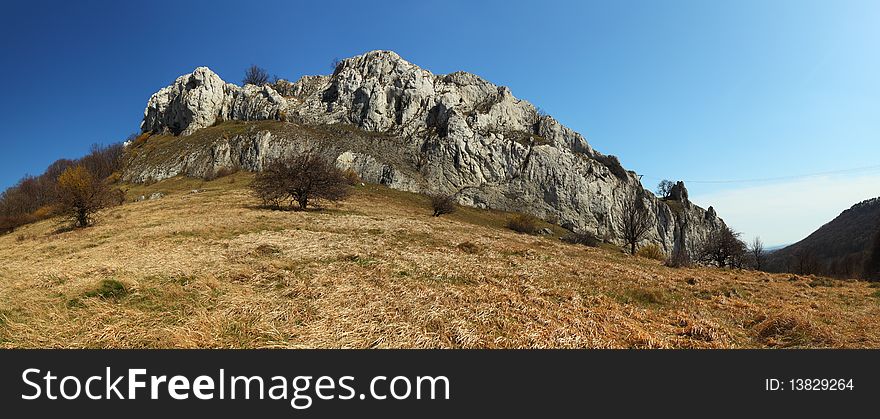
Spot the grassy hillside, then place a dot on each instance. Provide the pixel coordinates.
(210, 269)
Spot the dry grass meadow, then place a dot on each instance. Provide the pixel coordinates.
(211, 270)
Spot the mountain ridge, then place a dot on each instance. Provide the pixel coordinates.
(455, 133)
(837, 248)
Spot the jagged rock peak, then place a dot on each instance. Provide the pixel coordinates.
(678, 192)
(379, 63)
(193, 101)
(376, 91)
(455, 134)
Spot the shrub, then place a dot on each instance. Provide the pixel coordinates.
(442, 204)
(522, 223)
(81, 195)
(586, 239)
(652, 251)
(723, 248)
(302, 179)
(256, 76)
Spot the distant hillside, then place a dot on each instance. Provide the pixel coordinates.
(838, 248)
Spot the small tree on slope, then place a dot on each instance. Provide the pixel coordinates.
(634, 221)
(81, 195)
(303, 179)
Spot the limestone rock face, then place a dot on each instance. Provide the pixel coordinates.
(252, 103)
(678, 192)
(201, 98)
(417, 131)
(193, 101)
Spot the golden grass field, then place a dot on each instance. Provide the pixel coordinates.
(211, 270)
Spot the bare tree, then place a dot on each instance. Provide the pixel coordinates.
(256, 76)
(634, 221)
(664, 188)
(756, 251)
(303, 179)
(103, 161)
(723, 248)
(804, 262)
(442, 204)
(270, 185)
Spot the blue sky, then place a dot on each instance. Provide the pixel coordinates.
(693, 90)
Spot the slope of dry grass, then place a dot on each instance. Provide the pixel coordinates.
(210, 269)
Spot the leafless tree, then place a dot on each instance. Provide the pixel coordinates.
(442, 204)
(634, 221)
(804, 262)
(103, 161)
(664, 188)
(303, 179)
(756, 251)
(256, 76)
(723, 248)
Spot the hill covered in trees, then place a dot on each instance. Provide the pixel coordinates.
(840, 248)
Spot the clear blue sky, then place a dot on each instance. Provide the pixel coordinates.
(695, 90)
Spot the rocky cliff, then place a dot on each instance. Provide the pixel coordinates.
(400, 125)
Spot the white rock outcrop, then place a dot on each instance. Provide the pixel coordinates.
(201, 98)
(421, 132)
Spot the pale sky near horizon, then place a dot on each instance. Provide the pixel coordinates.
(785, 212)
(678, 89)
